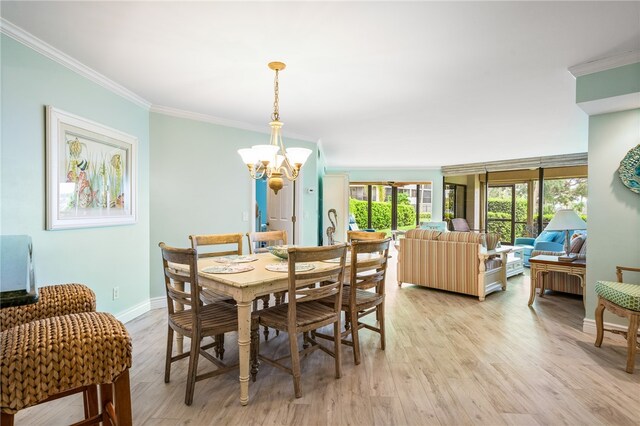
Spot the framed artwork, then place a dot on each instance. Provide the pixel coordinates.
(91, 173)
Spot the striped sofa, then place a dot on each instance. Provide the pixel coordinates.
(452, 261)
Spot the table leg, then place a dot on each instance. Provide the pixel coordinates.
(244, 343)
(534, 281)
(581, 278)
(179, 307)
(544, 273)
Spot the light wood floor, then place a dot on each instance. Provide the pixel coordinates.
(449, 360)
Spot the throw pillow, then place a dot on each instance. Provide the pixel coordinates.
(546, 236)
(583, 249)
(576, 244)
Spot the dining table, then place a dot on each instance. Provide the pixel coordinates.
(246, 286)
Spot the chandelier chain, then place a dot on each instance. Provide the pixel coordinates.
(276, 107)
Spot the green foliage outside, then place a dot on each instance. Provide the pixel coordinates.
(500, 208)
(381, 214)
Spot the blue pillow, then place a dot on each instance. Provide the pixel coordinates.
(546, 236)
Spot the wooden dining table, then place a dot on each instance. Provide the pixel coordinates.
(245, 287)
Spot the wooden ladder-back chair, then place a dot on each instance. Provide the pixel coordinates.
(304, 312)
(270, 238)
(197, 322)
(205, 246)
(365, 235)
(365, 295)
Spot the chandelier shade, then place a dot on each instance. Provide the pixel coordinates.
(273, 161)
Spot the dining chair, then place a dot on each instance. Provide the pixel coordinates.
(208, 245)
(212, 319)
(365, 295)
(304, 312)
(270, 238)
(208, 241)
(365, 235)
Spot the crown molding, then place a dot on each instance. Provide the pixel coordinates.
(612, 104)
(604, 64)
(62, 58)
(196, 116)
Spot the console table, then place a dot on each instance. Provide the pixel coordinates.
(544, 264)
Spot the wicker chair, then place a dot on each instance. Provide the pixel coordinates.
(304, 312)
(53, 301)
(83, 350)
(213, 319)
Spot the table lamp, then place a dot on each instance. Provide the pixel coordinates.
(566, 220)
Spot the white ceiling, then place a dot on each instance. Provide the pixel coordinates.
(381, 84)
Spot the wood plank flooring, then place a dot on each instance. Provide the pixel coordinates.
(450, 360)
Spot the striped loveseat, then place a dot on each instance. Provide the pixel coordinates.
(452, 261)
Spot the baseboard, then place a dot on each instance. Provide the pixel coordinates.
(158, 302)
(589, 327)
(133, 312)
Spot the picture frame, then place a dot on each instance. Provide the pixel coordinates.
(91, 177)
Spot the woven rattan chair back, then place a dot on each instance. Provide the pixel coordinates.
(364, 235)
(232, 243)
(270, 238)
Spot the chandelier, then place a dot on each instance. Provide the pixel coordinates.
(273, 161)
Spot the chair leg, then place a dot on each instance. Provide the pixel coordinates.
(295, 363)
(90, 397)
(193, 367)
(265, 305)
(631, 342)
(122, 388)
(167, 366)
(219, 347)
(106, 401)
(354, 336)
(599, 323)
(337, 345)
(255, 348)
(6, 419)
(380, 314)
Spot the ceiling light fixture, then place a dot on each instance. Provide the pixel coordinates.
(272, 160)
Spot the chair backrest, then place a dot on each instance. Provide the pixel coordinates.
(187, 257)
(374, 274)
(365, 235)
(271, 238)
(460, 224)
(330, 278)
(199, 241)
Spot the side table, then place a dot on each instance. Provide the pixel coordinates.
(544, 264)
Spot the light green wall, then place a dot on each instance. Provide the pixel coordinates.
(199, 185)
(402, 175)
(604, 84)
(614, 211)
(98, 257)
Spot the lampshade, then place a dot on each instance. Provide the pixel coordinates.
(298, 155)
(566, 219)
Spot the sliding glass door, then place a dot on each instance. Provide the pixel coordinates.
(387, 207)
